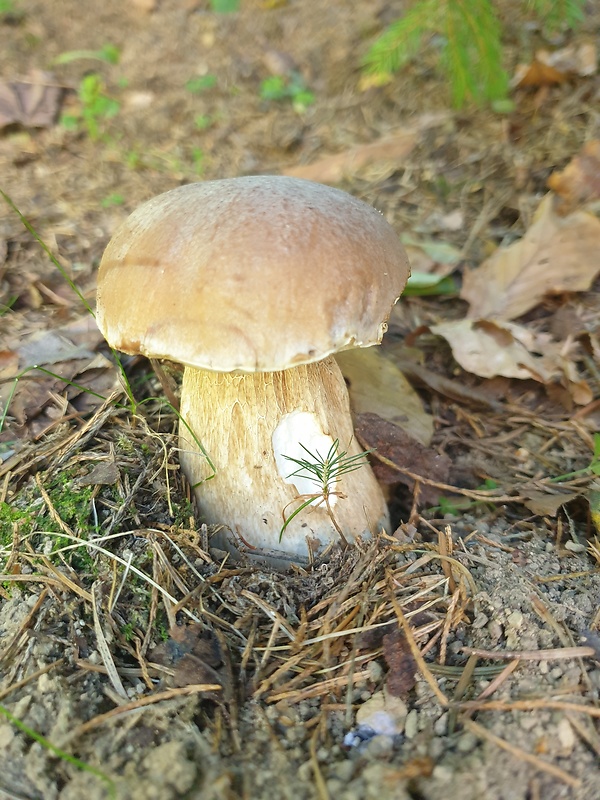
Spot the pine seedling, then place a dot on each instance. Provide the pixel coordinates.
(471, 43)
(325, 472)
(557, 14)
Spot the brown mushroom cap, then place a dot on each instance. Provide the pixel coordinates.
(252, 274)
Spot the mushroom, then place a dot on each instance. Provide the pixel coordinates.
(253, 284)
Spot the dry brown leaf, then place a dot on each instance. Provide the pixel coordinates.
(548, 505)
(537, 74)
(557, 254)
(488, 348)
(580, 59)
(551, 68)
(377, 386)
(398, 446)
(32, 101)
(392, 149)
(579, 182)
(492, 347)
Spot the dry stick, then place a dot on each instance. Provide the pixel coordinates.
(64, 582)
(447, 625)
(498, 680)
(139, 705)
(321, 786)
(416, 653)
(532, 655)
(445, 550)
(526, 705)
(487, 496)
(589, 736)
(32, 677)
(102, 644)
(53, 512)
(270, 612)
(315, 690)
(24, 625)
(536, 762)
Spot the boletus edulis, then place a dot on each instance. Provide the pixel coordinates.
(253, 284)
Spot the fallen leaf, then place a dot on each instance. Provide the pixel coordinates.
(194, 653)
(489, 348)
(455, 389)
(32, 101)
(537, 74)
(552, 68)
(392, 149)
(394, 444)
(557, 254)
(50, 347)
(580, 59)
(547, 505)
(430, 256)
(579, 182)
(400, 679)
(105, 473)
(377, 386)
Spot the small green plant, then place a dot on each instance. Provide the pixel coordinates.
(224, 6)
(201, 83)
(114, 199)
(324, 472)
(96, 107)
(593, 468)
(7, 8)
(203, 121)
(469, 36)
(61, 754)
(292, 87)
(455, 506)
(108, 53)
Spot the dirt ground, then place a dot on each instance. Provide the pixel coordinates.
(317, 688)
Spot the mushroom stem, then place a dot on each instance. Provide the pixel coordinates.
(250, 425)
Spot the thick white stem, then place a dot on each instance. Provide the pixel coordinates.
(247, 424)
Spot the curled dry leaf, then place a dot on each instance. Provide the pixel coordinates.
(551, 68)
(391, 149)
(579, 182)
(394, 444)
(402, 668)
(377, 386)
(32, 101)
(557, 254)
(493, 347)
(545, 504)
(489, 348)
(430, 256)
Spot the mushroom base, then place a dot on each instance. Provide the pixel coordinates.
(249, 425)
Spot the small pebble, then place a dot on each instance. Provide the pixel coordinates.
(440, 726)
(411, 724)
(566, 736)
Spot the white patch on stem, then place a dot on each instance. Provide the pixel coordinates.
(296, 431)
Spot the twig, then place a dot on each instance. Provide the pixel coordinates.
(537, 763)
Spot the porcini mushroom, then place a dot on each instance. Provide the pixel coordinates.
(253, 284)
